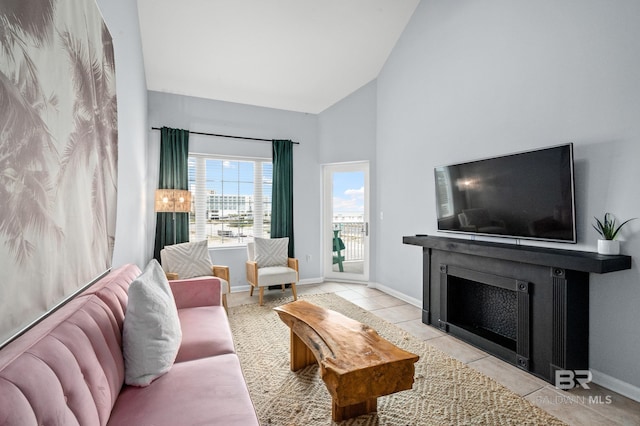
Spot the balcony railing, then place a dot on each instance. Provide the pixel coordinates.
(352, 235)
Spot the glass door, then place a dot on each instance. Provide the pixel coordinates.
(346, 221)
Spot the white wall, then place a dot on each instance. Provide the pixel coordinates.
(347, 129)
(209, 116)
(473, 79)
(121, 17)
(347, 132)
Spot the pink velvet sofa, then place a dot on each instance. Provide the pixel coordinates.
(69, 369)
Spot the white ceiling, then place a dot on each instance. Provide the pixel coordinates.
(297, 55)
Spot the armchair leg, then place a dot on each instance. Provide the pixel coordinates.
(261, 296)
(293, 290)
(282, 287)
(251, 290)
(224, 302)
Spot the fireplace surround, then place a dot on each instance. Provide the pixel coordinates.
(526, 305)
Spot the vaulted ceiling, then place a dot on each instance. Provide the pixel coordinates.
(297, 55)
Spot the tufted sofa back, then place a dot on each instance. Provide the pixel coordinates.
(68, 369)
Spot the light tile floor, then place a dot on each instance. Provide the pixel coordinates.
(595, 406)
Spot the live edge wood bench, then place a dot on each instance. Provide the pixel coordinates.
(355, 363)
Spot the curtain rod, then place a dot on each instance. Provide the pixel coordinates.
(228, 136)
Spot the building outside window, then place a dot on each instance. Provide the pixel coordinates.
(231, 199)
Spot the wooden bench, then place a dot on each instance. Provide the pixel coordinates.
(356, 364)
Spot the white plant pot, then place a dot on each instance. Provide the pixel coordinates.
(608, 247)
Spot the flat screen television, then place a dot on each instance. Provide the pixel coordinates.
(528, 195)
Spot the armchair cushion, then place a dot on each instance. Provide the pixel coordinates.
(151, 333)
(188, 260)
(274, 275)
(271, 251)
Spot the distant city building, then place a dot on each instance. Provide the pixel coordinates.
(348, 217)
(219, 206)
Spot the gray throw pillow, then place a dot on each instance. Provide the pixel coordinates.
(188, 260)
(151, 333)
(272, 251)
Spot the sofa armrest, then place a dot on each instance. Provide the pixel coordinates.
(194, 292)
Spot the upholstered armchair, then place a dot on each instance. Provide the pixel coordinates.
(268, 264)
(191, 260)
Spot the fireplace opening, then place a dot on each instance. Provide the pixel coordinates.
(488, 311)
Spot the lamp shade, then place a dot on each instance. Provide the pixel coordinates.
(173, 201)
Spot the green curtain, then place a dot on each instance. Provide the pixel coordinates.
(282, 192)
(174, 153)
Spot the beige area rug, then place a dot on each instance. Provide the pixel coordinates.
(445, 392)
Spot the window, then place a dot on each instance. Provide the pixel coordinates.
(231, 199)
(445, 195)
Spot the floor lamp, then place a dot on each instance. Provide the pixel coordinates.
(173, 201)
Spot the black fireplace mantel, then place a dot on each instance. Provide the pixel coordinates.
(549, 287)
(575, 260)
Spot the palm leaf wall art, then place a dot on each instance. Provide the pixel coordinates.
(58, 154)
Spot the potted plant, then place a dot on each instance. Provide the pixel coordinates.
(608, 231)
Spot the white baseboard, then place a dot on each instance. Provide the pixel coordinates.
(344, 281)
(239, 288)
(410, 300)
(616, 385)
(308, 281)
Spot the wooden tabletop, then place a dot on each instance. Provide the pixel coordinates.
(350, 345)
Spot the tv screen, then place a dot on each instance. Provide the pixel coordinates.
(527, 195)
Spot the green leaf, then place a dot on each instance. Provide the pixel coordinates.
(607, 228)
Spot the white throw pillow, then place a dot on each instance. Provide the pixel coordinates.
(272, 252)
(188, 260)
(151, 334)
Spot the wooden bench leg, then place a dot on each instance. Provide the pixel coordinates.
(339, 414)
(300, 354)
